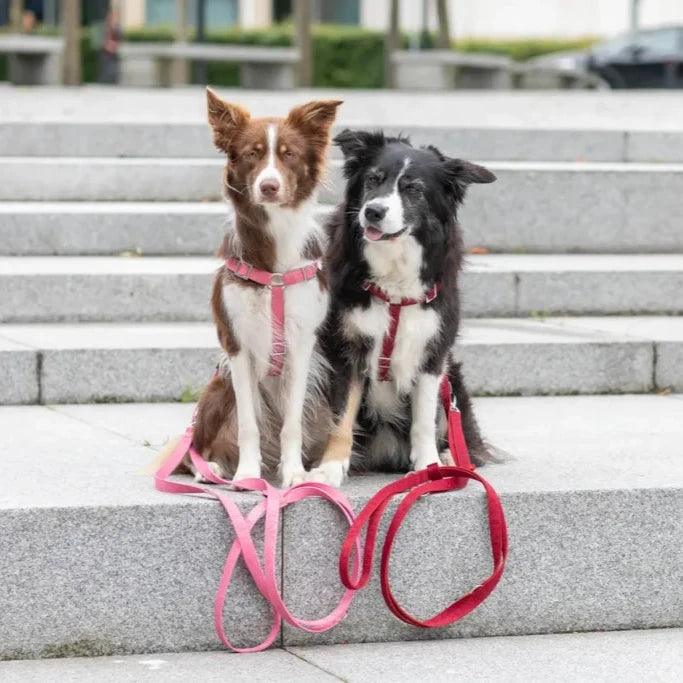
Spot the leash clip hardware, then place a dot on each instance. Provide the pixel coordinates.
(277, 280)
(454, 405)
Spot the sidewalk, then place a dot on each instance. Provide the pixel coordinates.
(622, 656)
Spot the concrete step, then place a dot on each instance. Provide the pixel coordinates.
(105, 362)
(189, 228)
(178, 288)
(100, 564)
(104, 228)
(630, 656)
(603, 198)
(625, 126)
(193, 140)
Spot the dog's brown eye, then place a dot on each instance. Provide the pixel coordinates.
(372, 180)
(414, 190)
(289, 155)
(251, 155)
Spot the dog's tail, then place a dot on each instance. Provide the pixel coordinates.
(164, 452)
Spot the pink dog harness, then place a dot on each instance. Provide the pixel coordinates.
(264, 575)
(276, 282)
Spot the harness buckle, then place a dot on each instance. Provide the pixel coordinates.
(277, 280)
(454, 405)
(431, 294)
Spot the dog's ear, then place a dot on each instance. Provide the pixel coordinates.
(358, 147)
(225, 119)
(314, 119)
(459, 174)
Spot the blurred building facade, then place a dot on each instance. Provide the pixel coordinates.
(468, 18)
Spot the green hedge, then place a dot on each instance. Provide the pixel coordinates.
(348, 56)
(345, 56)
(523, 49)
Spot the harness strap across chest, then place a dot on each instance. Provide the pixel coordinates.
(276, 282)
(395, 308)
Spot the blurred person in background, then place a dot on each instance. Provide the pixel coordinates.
(32, 15)
(109, 50)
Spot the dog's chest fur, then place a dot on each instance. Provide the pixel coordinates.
(395, 267)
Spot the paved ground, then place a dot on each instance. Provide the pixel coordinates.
(594, 443)
(609, 110)
(613, 656)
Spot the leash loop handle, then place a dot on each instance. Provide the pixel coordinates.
(499, 547)
(264, 575)
(433, 479)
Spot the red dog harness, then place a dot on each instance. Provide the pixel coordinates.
(433, 479)
(395, 308)
(276, 282)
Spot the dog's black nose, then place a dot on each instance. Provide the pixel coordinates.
(375, 212)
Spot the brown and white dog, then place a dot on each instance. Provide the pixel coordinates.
(248, 422)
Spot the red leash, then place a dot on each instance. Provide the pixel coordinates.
(433, 479)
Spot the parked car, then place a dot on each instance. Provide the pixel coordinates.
(651, 58)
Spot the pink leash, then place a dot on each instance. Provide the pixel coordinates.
(264, 576)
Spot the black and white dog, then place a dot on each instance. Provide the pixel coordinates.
(395, 233)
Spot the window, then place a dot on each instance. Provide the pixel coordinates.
(657, 43)
(219, 13)
(323, 11)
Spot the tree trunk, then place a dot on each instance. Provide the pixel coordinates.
(302, 23)
(391, 44)
(180, 68)
(16, 10)
(635, 18)
(71, 30)
(443, 41)
(200, 67)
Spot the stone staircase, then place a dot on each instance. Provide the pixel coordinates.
(575, 290)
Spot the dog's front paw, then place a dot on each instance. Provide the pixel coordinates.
(423, 460)
(247, 470)
(214, 467)
(331, 472)
(291, 474)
